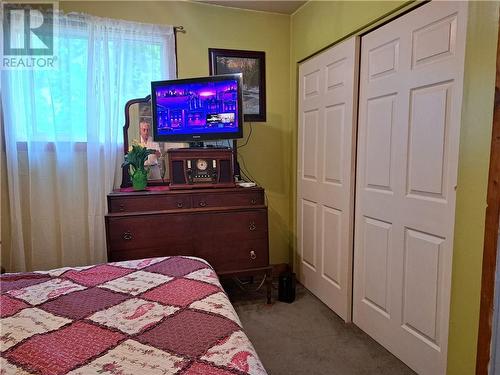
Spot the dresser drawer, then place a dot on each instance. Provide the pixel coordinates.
(233, 199)
(233, 254)
(148, 203)
(156, 235)
(244, 224)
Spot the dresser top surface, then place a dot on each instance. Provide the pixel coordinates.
(162, 190)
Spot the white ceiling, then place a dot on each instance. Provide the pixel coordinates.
(284, 7)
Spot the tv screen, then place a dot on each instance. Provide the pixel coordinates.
(197, 109)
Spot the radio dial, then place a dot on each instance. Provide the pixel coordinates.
(201, 164)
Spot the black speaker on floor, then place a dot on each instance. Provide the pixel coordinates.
(286, 287)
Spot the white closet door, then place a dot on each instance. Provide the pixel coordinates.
(408, 137)
(325, 186)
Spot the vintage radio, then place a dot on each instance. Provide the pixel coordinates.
(200, 168)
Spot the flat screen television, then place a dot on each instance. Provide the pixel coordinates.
(197, 109)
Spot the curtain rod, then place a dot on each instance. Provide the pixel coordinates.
(177, 29)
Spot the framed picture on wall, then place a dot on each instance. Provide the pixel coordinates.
(253, 66)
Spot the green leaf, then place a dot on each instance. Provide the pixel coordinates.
(136, 158)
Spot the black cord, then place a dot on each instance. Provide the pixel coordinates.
(247, 179)
(242, 286)
(245, 172)
(248, 138)
(243, 167)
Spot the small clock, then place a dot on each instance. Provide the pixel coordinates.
(201, 164)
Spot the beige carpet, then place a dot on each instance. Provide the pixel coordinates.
(306, 337)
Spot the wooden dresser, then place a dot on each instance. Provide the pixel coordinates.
(227, 227)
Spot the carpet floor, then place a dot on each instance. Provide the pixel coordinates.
(306, 337)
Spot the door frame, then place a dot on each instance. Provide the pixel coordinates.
(490, 237)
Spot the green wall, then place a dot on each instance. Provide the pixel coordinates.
(319, 24)
(266, 156)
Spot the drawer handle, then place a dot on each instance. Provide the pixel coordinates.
(252, 254)
(202, 204)
(127, 236)
(253, 201)
(121, 207)
(252, 226)
(180, 204)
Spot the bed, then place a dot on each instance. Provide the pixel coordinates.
(152, 316)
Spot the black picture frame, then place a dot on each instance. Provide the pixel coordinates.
(253, 66)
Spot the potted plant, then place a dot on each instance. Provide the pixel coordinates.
(135, 159)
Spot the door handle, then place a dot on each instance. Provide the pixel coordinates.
(252, 226)
(252, 254)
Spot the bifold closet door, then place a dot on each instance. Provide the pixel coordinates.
(325, 178)
(411, 86)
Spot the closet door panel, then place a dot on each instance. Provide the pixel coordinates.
(411, 83)
(327, 113)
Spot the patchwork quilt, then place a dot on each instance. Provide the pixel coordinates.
(152, 316)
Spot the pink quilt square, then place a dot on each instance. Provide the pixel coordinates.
(180, 292)
(189, 333)
(9, 306)
(22, 280)
(97, 275)
(78, 305)
(60, 351)
(177, 266)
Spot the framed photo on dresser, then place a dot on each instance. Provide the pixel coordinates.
(253, 66)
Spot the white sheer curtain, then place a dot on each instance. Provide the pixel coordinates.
(63, 135)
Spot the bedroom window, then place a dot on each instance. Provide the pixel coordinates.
(101, 64)
(64, 138)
